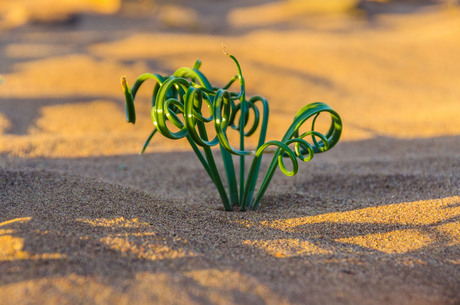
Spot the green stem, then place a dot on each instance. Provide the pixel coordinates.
(217, 180)
(174, 96)
(213, 168)
(268, 177)
(230, 82)
(242, 157)
(148, 140)
(255, 168)
(231, 176)
(242, 98)
(210, 166)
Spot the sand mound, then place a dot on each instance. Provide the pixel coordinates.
(68, 239)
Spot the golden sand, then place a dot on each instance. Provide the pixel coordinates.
(85, 220)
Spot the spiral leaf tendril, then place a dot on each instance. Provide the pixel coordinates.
(180, 99)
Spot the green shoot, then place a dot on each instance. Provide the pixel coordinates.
(187, 91)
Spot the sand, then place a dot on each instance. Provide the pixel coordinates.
(85, 220)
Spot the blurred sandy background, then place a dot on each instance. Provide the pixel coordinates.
(374, 221)
(390, 69)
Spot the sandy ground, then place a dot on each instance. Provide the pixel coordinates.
(85, 220)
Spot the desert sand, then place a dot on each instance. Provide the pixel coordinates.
(84, 219)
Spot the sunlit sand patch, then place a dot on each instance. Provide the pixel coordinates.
(280, 11)
(16, 220)
(119, 222)
(221, 284)
(159, 288)
(19, 12)
(71, 75)
(452, 232)
(71, 289)
(92, 128)
(76, 119)
(399, 241)
(62, 146)
(287, 247)
(144, 245)
(4, 123)
(425, 212)
(147, 248)
(11, 247)
(161, 44)
(415, 214)
(148, 288)
(398, 77)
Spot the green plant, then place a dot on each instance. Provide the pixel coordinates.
(181, 98)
